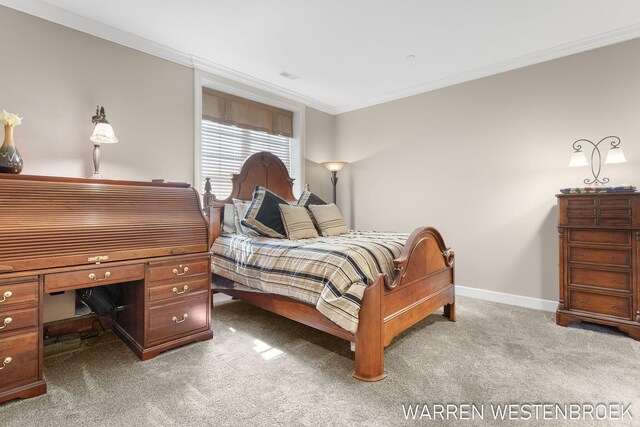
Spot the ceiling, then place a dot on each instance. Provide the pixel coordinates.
(351, 53)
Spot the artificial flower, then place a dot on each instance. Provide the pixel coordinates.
(10, 119)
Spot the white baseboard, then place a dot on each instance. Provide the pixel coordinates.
(511, 299)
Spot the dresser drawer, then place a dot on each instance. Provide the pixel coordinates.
(616, 212)
(600, 256)
(171, 291)
(581, 201)
(619, 222)
(603, 304)
(92, 277)
(173, 321)
(580, 220)
(614, 202)
(601, 279)
(20, 293)
(182, 269)
(600, 236)
(13, 320)
(581, 211)
(19, 359)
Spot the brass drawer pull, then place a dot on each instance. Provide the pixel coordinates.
(184, 289)
(6, 295)
(614, 237)
(613, 258)
(184, 317)
(583, 301)
(95, 278)
(6, 322)
(7, 360)
(184, 270)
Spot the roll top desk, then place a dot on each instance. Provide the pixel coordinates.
(149, 241)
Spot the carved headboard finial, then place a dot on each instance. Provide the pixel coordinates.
(307, 188)
(208, 197)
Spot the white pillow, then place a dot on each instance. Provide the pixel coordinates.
(229, 222)
(241, 207)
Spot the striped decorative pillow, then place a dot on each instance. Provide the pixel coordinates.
(297, 222)
(263, 216)
(328, 219)
(308, 198)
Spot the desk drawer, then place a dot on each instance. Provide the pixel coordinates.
(603, 304)
(600, 256)
(181, 269)
(579, 220)
(173, 321)
(600, 236)
(19, 359)
(617, 280)
(92, 277)
(12, 320)
(174, 291)
(19, 293)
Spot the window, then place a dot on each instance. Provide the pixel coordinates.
(224, 148)
(233, 128)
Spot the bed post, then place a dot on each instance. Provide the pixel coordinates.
(369, 337)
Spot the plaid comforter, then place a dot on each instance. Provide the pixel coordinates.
(331, 273)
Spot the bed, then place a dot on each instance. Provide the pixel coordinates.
(416, 281)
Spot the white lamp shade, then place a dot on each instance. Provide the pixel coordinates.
(103, 134)
(615, 155)
(578, 159)
(334, 166)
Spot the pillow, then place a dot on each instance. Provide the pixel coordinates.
(297, 222)
(308, 198)
(240, 209)
(229, 221)
(263, 216)
(328, 220)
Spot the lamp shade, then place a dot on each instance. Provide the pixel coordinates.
(615, 155)
(578, 159)
(103, 133)
(334, 166)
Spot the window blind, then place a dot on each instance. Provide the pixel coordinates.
(223, 150)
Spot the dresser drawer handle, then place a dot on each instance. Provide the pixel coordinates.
(184, 270)
(95, 278)
(613, 258)
(614, 281)
(7, 360)
(582, 277)
(583, 301)
(6, 322)
(614, 307)
(614, 237)
(6, 295)
(185, 288)
(184, 317)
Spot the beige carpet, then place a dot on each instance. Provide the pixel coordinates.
(262, 369)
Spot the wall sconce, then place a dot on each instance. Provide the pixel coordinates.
(334, 167)
(615, 155)
(102, 134)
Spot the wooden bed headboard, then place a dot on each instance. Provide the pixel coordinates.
(263, 169)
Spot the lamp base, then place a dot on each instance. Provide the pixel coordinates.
(96, 176)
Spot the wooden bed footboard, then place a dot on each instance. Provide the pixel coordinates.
(423, 282)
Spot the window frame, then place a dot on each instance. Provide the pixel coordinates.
(206, 79)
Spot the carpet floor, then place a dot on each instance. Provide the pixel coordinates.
(262, 369)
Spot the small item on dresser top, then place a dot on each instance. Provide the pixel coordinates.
(10, 159)
(590, 190)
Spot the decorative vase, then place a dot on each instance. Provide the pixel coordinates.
(10, 159)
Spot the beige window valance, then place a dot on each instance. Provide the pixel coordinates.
(233, 110)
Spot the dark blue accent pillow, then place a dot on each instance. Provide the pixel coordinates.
(263, 216)
(308, 198)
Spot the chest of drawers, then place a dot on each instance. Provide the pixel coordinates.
(599, 236)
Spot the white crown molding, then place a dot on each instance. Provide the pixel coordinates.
(511, 299)
(589, 43)
(94, 28)
(85, 25)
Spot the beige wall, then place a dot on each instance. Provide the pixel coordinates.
(482, 161)
(55, 77)
(319, 146)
